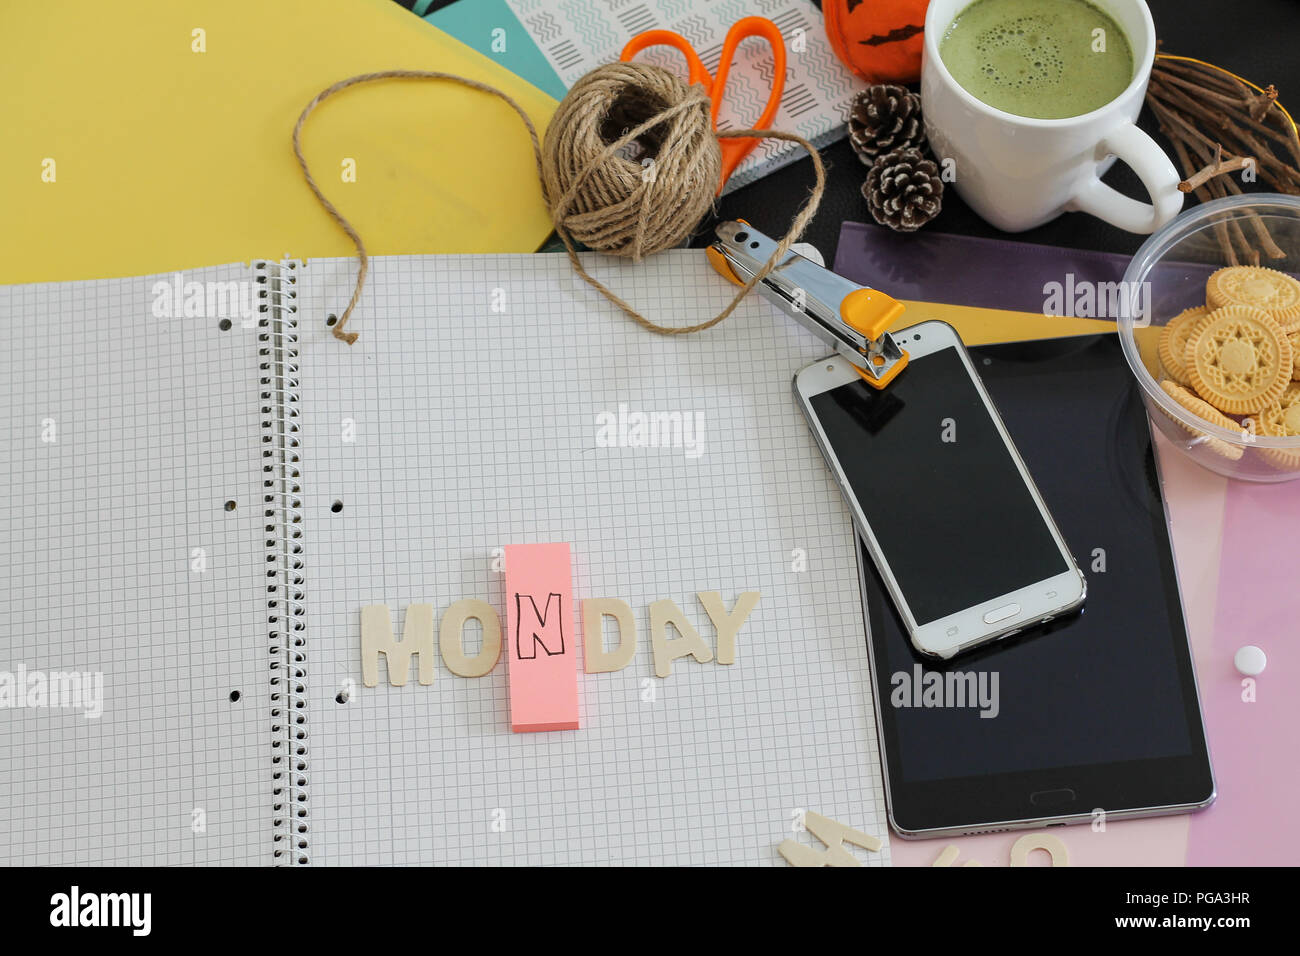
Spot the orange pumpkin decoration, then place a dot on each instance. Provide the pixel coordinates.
(879, 40)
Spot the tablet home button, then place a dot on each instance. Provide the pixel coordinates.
(1052, 798)
(1001, 613)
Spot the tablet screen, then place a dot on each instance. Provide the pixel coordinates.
(1111, 686)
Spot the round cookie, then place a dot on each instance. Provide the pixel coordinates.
(1238, 359)
(1295, 355)
(1173, 343)
(1211, 414)
(1282, 420)
(1274, 292)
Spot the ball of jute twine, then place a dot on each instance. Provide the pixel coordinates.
(645, 196)
(595, 184)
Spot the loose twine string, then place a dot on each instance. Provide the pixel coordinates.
(562, 197)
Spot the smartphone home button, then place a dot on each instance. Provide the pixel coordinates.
(1001, 613)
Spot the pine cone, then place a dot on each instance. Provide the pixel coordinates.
(883, 118)
(903, 190)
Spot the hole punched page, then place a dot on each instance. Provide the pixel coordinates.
(493, 402)
(126, 432)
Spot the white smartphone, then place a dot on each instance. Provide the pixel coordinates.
(959, 533)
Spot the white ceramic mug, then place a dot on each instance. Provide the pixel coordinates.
(1019, 172)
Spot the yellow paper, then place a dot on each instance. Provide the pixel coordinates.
(167, 158)
(981, 326)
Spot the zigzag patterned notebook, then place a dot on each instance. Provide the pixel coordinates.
(553, 44)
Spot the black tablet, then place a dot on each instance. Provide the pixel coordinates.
(1092, 717)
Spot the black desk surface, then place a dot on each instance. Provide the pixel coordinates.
(1256, 39)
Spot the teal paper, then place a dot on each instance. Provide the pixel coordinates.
(473, 23)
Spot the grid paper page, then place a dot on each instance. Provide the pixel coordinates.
(471, 429)
(124, 436)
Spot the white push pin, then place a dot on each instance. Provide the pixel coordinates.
(1250, 660)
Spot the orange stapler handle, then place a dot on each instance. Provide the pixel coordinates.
(855, 320)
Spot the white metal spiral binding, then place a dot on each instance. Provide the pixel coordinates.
(282, 507)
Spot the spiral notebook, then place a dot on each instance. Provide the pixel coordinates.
(203, 497)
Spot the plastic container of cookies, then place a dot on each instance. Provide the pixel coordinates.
(1217, 352)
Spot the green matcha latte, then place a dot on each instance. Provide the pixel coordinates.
(1044, 59)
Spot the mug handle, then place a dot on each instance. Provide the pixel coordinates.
(1134, 147)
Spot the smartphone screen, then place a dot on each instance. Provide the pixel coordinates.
(939, 488)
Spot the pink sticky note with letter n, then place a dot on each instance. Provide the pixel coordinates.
(543, 654)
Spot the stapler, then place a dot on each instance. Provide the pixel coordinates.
(849, 317)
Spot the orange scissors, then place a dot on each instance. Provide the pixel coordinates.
(733, 150)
